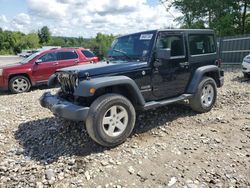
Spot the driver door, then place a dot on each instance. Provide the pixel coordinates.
(46, 66)
(170, 77)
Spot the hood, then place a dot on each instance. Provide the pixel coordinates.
(10, 66)
(104, 68)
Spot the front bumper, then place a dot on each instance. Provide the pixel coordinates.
(3, 86)
(63, 108)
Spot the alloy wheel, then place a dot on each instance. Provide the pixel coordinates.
(115, 121)
(207, 96)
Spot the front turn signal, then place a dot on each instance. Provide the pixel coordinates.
(92, 90)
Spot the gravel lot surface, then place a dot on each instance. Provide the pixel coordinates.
(170, 147)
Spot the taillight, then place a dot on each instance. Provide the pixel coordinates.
(218, 63)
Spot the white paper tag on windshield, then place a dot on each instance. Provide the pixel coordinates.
(146, 36)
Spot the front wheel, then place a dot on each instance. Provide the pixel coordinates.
(19, 84)
(111, 120)
(205, 96)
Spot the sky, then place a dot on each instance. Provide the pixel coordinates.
(85, 18)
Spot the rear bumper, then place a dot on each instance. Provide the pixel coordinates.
(63, 108)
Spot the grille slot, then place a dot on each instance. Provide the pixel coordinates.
(67, 82)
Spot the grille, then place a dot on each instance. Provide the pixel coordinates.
(67, 82)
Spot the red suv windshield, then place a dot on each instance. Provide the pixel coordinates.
(26, 60)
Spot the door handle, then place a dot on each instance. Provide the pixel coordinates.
(184, 64)
(56, 63)
(77, 61)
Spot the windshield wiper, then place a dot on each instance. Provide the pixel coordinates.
(122, 52)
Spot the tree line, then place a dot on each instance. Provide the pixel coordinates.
(226, 17)
(12, 42)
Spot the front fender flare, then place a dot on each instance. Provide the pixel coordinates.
(84, 86)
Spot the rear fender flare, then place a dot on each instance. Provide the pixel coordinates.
(199, 74)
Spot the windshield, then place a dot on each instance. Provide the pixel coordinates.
(26, 60)
(132, 47)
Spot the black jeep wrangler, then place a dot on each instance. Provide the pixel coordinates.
(144, 70)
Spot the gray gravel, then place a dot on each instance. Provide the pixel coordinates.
(170, 147)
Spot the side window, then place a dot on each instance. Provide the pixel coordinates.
(67, 55)
(174, 42)
(48, 57)
(201, 44)
(88, 53)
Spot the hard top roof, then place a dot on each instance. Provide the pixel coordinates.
(190, 31)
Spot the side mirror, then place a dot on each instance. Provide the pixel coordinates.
(38, 61)
(163, 54)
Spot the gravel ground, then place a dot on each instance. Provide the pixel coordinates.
(170, 147)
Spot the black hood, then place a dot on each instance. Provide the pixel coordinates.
(104, 68)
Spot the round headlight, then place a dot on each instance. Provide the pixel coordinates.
(77, 82)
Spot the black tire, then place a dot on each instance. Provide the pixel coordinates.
(197, 103)
(98, 111)
(246, 75)
(13, 84)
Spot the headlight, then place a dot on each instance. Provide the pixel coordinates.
(247, 59)
(77, 82)
(1, 72)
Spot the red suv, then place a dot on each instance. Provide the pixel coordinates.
(37, 68)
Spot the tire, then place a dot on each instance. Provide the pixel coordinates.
(205, 96)
(106, 125)
(246, 75)
(19, 84)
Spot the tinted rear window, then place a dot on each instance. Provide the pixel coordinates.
(67, 55)
(88, 53)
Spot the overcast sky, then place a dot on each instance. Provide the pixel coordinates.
(84, 17)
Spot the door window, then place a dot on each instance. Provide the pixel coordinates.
(67, 55)
(174, 42)
(201, 44)
(48, 57)
(88, 54)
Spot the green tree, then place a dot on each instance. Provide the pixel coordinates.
(32, 40)
(102, 44)
(44, 35)
(227, 17)
(57, 41)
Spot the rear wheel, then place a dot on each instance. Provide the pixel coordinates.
(19, 84)
(205, 96)
(111, 120)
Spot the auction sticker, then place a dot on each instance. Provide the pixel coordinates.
(146, 36)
